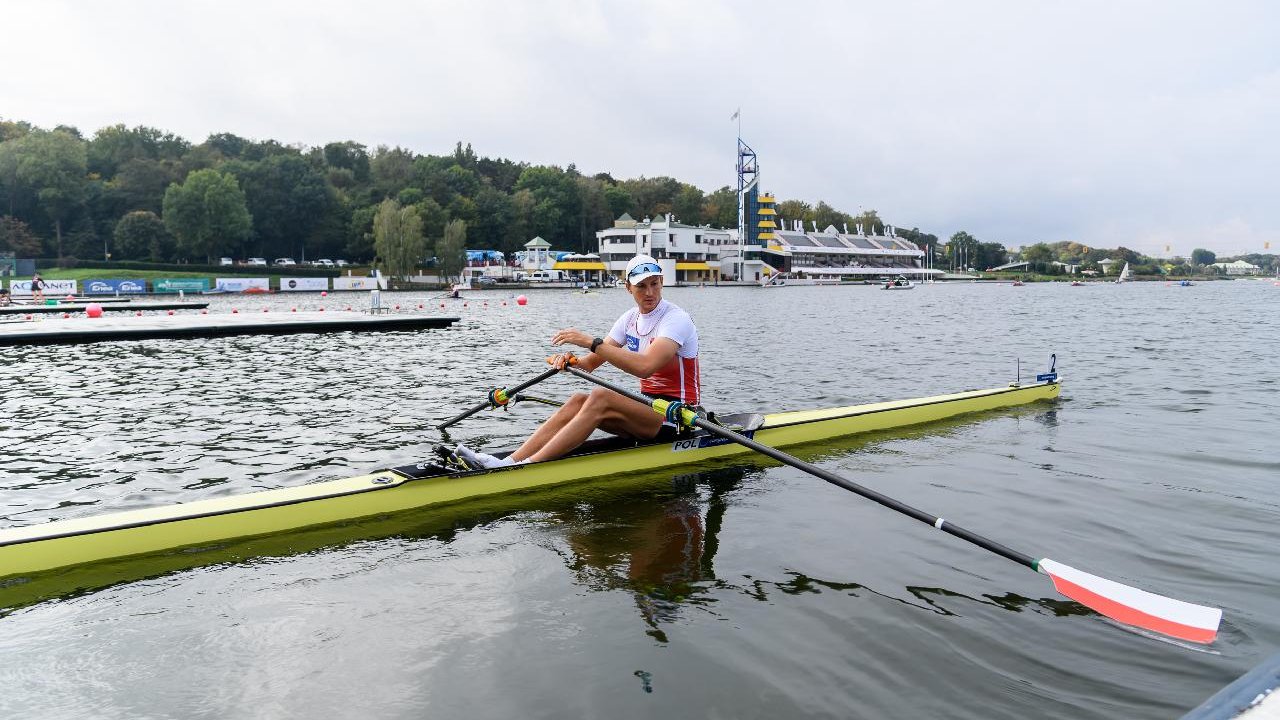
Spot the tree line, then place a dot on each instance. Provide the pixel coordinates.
(142, 193)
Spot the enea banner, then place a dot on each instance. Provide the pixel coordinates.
(52, 288)
(173, 285)
(115, 287)
(290, 284)
(242, 284)
(355, 283)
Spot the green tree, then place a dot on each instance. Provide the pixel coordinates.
(53, 166)
(556, 202)
(651, 197)
(493, 214)
(16, 237)
(720, 208)
(141, 235)
(687, 204)
(112, 147)
(825, 215)
(1037, 254)
(207, 214)
(391, 170)
(1202, 257)
(350, 156)
(398, 238)
(1125, 255)
(360, 233)
(451, 251)
(287, 197)
(789, 211)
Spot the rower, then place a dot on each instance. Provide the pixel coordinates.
(655, 341)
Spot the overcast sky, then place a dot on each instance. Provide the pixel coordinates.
(1141, 124)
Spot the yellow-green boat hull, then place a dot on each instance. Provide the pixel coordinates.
(64, 543)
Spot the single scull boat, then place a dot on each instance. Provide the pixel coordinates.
(36, 548)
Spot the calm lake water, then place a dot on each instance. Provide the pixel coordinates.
(743, 591)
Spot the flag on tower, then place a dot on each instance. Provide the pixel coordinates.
(736, 113)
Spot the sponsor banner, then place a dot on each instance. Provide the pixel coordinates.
(52, 288)
(112, 287)
(173, 285)
(288, 284)
(347, 282)
(242, 284)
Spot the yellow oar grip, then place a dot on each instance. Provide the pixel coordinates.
(687, 416)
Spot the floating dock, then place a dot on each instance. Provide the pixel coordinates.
(79, 307)
(83, 329)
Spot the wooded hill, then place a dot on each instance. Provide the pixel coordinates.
(145, 194)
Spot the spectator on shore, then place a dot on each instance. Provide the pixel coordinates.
(37, 289)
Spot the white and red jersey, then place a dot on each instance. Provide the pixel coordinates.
(678, 378)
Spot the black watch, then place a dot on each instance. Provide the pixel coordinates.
(595, 343)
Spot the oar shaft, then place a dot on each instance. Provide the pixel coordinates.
(832, 478)
(511, 392)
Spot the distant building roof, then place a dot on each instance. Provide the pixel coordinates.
(537, 242)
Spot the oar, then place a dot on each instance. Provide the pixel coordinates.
(1122, 603)
(498, 397)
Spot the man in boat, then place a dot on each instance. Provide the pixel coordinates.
(656, 341)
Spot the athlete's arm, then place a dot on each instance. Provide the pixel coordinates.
(642, 365)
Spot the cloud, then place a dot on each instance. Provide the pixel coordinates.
(1131, 124)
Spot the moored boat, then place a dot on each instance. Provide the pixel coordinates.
(33, 549)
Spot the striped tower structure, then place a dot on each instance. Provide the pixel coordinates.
(766, 224)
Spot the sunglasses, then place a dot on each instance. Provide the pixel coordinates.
(644, 268)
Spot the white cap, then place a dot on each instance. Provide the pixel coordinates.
(638, 265)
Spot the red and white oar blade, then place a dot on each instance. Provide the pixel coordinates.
(1132, 606)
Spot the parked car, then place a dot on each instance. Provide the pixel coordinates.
(341, 263)
(486, 280)
(256, 261)
(284, 262)
(226, 262)
(323, 262)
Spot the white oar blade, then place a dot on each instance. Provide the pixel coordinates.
(1132, 606)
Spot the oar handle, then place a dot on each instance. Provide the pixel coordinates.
(693, 419)
(508, 392)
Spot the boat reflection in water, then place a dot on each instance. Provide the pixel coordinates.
(660, 549)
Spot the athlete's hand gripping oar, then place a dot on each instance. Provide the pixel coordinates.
(1125, 604)
(498, 397)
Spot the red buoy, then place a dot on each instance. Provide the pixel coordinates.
(94, 310)
(522, 300)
